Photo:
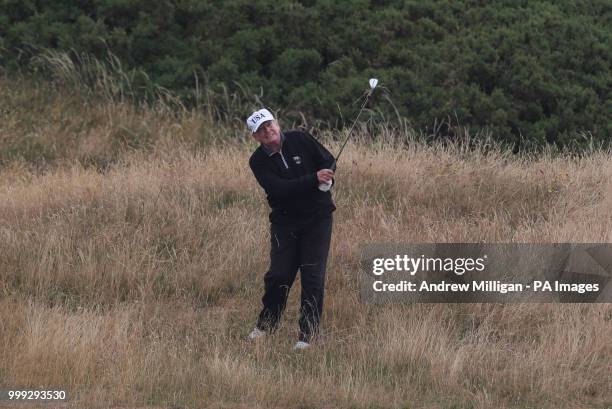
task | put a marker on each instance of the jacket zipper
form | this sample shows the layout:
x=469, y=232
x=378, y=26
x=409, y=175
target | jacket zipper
x=283, y=158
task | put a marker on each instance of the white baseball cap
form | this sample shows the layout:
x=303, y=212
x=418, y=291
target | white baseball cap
x=257, y=118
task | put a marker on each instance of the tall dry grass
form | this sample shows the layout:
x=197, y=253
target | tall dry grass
x=134, y=283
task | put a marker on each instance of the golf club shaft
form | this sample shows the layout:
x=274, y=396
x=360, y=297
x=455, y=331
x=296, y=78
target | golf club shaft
x=351, y=130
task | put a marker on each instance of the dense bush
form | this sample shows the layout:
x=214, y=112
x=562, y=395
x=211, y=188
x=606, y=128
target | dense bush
x=536, y=71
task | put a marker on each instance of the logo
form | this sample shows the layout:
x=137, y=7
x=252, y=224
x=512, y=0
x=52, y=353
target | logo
x=297, y=160
x=256, y=118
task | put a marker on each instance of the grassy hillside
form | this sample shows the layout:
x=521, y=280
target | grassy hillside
x=133, y=243
x=530, y=72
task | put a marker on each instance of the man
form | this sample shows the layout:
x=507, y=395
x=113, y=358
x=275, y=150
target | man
x=295, y=171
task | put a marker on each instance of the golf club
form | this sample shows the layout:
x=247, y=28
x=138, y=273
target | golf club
x=373, y=82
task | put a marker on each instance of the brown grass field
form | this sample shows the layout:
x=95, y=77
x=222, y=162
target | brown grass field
x=133, y=242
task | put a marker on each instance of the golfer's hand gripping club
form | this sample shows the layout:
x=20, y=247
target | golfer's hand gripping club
x=325, y=179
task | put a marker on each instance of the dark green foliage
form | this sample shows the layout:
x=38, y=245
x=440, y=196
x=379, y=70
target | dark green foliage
x=530, y=72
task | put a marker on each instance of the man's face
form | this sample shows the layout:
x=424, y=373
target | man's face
x=268, y=133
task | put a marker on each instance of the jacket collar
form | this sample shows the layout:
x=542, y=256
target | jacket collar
x=269, y=151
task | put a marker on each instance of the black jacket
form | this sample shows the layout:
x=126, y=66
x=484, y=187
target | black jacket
x=289, y=178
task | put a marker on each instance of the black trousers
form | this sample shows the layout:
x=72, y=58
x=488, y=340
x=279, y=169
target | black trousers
x=304, y=247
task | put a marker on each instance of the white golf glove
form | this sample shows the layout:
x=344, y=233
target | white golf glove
x=324, y=187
